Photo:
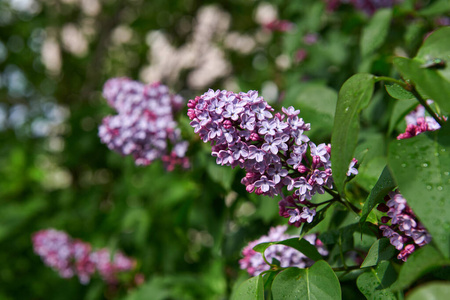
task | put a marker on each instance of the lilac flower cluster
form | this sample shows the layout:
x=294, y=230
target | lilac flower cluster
x=367, y=6
x=417, y=123
x=272, y=148
x=71, y=257
x=144, y=126
x=405, y=232
x=254, y=263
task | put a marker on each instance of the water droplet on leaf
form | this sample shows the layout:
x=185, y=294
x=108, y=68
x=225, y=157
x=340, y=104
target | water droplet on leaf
x=439, y=188
x=429, y=187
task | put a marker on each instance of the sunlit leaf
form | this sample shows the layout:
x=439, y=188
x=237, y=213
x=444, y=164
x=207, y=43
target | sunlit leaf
x=354, y=95
x=317, y=282
x=374, y=283
x=380, y=250
x=421, y=167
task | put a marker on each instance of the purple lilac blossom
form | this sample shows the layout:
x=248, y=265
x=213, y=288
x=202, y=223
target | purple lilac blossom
x=70, y=257
x=271, y=147
x=254, y=263
x=417, y=122
x=144, y=126
x=401, y=226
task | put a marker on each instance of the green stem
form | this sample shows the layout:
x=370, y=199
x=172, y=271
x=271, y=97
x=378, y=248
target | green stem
x=424, y=103
x=322, y=203
x=413, y=90
x=384, y=78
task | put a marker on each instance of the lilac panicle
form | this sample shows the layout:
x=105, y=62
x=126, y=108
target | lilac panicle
x=70, y=257
x=244, y=131
x=254, y=263
x=144, y=126
x=401, y=226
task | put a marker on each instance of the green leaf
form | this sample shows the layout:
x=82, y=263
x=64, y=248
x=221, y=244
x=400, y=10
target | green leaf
x=376, y=31
x=317, y=282
x=429, y=83
x=421, y=262
x=250, y=289
x=354, y=95
x=431, y=291
x=401, y=109
x=374, y=283
x=421, y=167
x=380, y=250
x=437, y=8
x=384, y=185
x=437, y=45
x=317, y=104
x=399, y=93
x=301, y=245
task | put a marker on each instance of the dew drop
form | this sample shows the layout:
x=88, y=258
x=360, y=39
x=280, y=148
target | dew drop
x=446, y=173
x=428, y=187
x=424, y=165
x=436, y=154
x=439, y=188
x=346, y=109
x=403, y=165
x=443, y=150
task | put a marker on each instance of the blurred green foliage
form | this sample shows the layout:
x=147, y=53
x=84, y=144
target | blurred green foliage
x=186, y=228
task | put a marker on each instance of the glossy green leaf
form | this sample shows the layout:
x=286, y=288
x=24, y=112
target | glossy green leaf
x=384, y=185
x=301, y=245
x=374, y=283
x=421, y=262
x=376, y=31
x=437, y=45
x=421, y=167
x=399, y=93
x=380, y=250
x=429, y=83
x=251, y=289
x=317, y=282
x=354, y=95
x=431, y=291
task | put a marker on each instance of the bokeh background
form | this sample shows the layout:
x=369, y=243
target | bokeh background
x=185, y=228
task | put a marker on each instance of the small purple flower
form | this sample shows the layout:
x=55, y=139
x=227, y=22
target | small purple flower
x=277, y=172
x=271, y=144
x=290, y=111
x=294, y=215
x=351, y=168
x=308, y=214
x=261, y=111
x=302, y=185
x=265, y=184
